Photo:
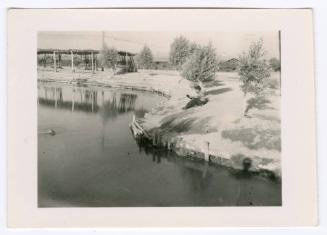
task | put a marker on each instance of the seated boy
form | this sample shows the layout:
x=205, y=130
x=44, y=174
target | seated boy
x=197, y=100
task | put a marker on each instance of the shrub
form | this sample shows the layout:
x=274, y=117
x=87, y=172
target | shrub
x=179, y=51
x=274, y=64
x=145, y=58
x=193, y=47
x=201, y=65
x=253, y=70
x=108, y=57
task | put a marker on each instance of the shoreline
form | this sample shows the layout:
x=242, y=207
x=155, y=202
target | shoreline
x=99, y=84
x=171, y=145
x=181, y=142
x=108, y=84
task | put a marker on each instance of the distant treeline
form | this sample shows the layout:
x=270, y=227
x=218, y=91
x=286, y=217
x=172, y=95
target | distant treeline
x=181, y=51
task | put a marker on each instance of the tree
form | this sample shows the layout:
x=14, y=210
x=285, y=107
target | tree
x=179, y=51
x=193, y=47
x=202, y=65
x=109, y=57
x=253, y=70
x=145, y=58
x=274, y=64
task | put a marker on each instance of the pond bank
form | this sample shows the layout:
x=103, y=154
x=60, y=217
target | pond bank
x=216, y=131
x=161, y=82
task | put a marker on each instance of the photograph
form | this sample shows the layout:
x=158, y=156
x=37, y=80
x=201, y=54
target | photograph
x=159, y=118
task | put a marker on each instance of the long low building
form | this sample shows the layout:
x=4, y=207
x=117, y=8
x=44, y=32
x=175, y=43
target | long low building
x=85, y=44
x=126, y=60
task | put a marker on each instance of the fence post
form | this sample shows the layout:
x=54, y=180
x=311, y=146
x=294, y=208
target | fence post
x=92, y=61
x=54, y=61
x=72, y=60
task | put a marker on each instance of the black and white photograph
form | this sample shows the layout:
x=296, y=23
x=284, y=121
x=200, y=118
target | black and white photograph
x=137, y=118
x=158, y=119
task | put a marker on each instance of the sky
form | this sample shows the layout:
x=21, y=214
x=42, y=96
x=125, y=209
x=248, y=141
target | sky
x=228, y=44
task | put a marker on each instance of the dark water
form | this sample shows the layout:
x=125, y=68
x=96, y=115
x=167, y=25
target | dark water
x=94, y=161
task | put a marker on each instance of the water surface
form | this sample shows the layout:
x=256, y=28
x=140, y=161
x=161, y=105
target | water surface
x=94, y=161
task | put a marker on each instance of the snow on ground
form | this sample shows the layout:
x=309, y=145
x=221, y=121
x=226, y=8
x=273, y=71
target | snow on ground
x=217, y=128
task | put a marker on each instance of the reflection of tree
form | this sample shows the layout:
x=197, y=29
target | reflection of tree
x=87, y=101
x=197, y=172
x=112, y=108
x=52, y=95
x=146, y=146
x=109, y=109
x=127, y=102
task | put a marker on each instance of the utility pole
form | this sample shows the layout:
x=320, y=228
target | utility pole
x=103, y=44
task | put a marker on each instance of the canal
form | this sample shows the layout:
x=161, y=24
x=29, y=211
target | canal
x=92, y=160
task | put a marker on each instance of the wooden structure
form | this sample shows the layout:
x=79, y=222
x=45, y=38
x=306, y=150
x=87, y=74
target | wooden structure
x=126, y=62
x=161, y=64
x=137, y=130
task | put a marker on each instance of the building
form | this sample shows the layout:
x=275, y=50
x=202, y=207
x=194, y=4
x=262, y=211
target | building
x=229, y=65
x=161, y=63
x=81, y=49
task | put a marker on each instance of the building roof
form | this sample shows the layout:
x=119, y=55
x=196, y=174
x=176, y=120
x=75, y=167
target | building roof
x=77, y=51
x=81, y=42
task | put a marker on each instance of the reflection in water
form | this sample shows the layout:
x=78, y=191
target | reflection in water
x=93, y=160
x=110, y=104
x=194, y=169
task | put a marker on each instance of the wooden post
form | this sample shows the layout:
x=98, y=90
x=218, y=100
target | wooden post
x=86, y=59
x=54, y=61
x=205, y=170
x=72, y=59
x=73, y=100
x=92, y=58
x=55, y=96
x=59, y=60
x=102, y=98
x=206, y=151
x=81, y=59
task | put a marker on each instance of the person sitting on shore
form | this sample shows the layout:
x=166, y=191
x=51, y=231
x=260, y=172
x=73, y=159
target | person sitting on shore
x=197, y=100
